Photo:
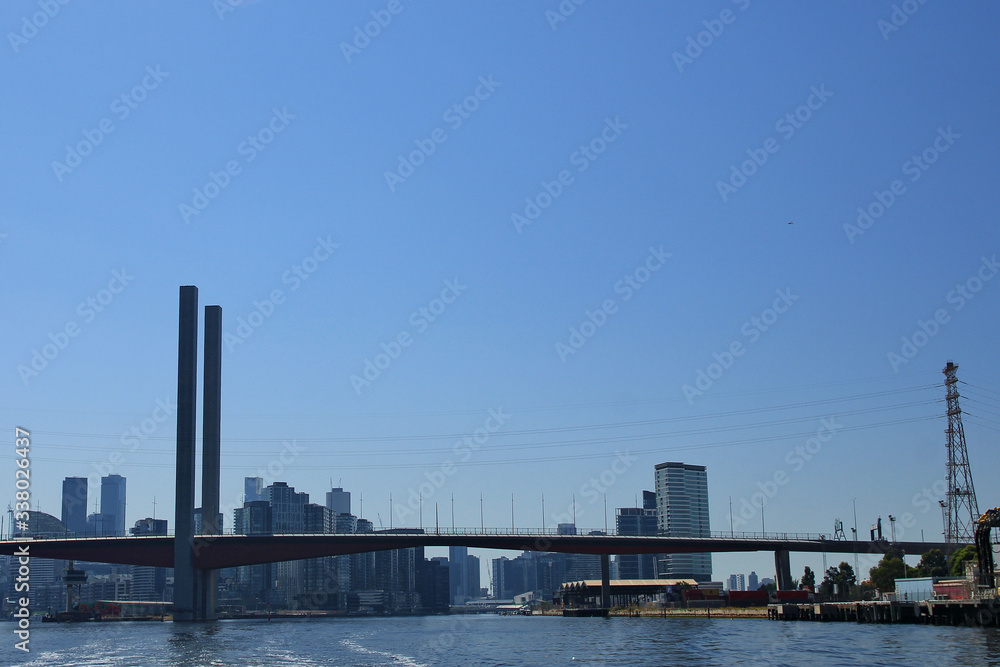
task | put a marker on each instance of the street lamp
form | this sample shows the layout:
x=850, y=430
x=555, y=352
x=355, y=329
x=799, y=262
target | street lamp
x=855, y=531
x=892, y=527
x=944, y=520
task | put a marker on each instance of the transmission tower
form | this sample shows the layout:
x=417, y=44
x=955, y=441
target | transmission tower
x=963, y=510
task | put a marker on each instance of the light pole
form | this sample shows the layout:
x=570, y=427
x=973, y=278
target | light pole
x=892, y=527
x=944, y=520
x=855, y=531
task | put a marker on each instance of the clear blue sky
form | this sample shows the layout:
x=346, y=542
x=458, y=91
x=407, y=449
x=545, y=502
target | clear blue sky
x=256, y=141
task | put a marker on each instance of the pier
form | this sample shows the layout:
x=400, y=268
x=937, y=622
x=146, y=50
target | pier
x=975, y=613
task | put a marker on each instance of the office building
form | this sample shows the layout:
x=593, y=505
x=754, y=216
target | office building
x=74, y=504
x=753, y=583
x=113, y=505
x=253, y=489
x=637, y=521
x=458, y=574
x=149, y=583
x=682, y=511
x=472, y=572
x=339, y=501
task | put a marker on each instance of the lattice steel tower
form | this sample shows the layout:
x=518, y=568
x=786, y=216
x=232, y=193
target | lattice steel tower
x=963, y=510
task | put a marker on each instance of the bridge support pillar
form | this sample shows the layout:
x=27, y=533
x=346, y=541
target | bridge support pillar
x=211, y=428
x=605, y=581
x=187, y=426
x=782, y=570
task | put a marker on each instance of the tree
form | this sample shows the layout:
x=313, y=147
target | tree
x=957, y=564
x=808, y=578
x=889, y=569
x=933, y=564
x=842, y=577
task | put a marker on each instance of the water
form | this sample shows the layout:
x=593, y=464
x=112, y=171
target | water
x=471, y=641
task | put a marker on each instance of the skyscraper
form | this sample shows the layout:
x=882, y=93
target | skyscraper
x=253, y=489
x=113, y=505
x=682, y=511
x=637, y=521
x=458, y=574
x=338, y=500
x=74, y=504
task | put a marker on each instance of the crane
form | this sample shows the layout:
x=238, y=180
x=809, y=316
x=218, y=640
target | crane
x=984, y=549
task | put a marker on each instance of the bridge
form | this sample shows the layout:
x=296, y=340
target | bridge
x=212, y=552
x=195, y=558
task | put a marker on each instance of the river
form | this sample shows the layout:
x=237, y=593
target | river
x=470, y=641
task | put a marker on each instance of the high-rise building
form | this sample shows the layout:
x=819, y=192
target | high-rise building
x=253, y=489
x=149, y=583
x=458, y=574
x=74, y=504
x=339, y=501
x=753, y=583
x=472, y=572
x=95, y=525
x=682, y=511
x=199, y=524
x=287, y=516
x=113, y=505
x=637, y=521
x=287, y=507
x=737, y=582
x=255, y=581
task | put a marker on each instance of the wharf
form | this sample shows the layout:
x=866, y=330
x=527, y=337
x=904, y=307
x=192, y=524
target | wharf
x=978, y=613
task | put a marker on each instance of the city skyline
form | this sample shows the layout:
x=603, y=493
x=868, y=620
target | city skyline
x=463, y=274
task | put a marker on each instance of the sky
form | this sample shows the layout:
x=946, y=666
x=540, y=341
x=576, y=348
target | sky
x=471, y=255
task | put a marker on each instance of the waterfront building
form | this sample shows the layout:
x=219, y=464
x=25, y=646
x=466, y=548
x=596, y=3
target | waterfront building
x=682, y=511
x=149, y=583
x=458, y=574
x=637, y=521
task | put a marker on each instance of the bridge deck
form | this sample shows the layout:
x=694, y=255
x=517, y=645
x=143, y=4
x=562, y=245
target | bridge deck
x=218, y=551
